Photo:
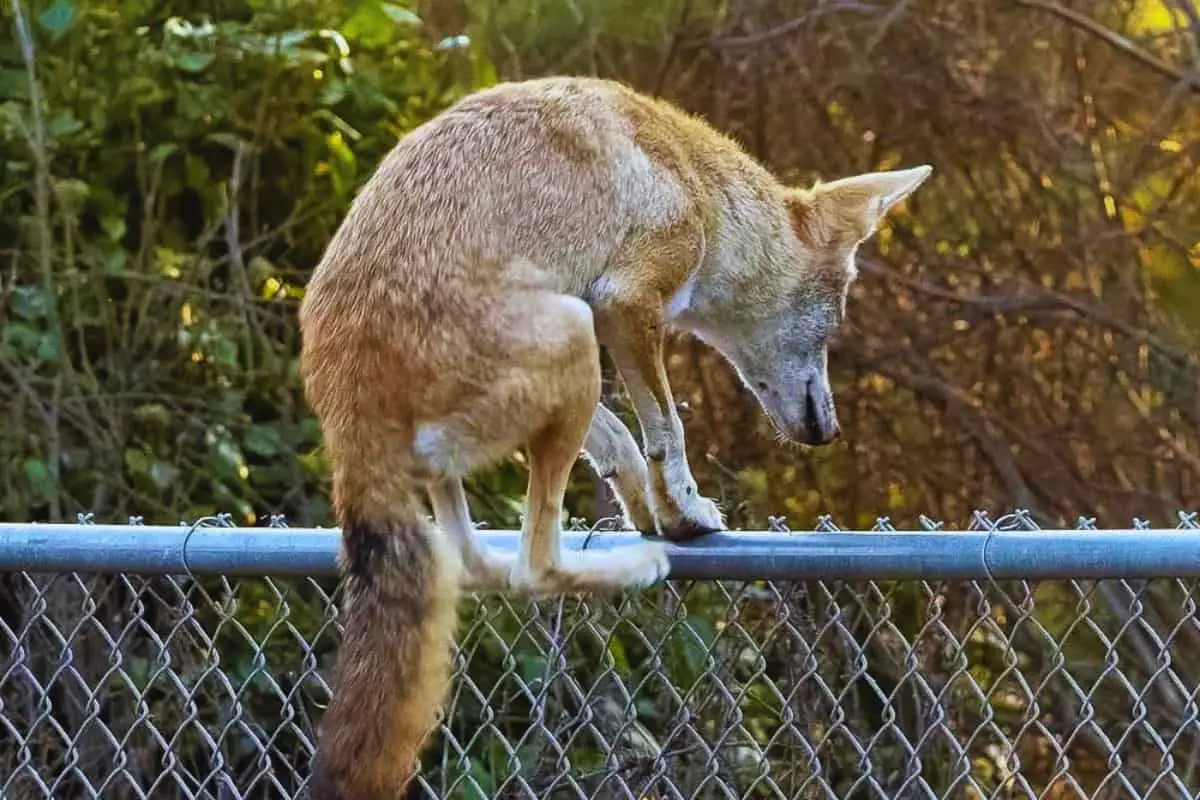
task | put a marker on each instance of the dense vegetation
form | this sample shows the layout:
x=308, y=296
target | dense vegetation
x=1024, y=335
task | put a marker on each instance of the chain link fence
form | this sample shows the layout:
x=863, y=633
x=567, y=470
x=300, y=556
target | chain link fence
x=128, y=686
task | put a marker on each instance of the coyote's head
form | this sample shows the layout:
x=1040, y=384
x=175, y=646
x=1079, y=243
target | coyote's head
x=778, y=341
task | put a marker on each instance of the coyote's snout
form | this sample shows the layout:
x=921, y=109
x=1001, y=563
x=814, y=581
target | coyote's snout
x=456, y=316
x=820, y=416
x=811, y=417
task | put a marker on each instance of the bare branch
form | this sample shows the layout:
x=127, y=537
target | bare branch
x=1030, y=300
x=1115, y=39
x=780, y=31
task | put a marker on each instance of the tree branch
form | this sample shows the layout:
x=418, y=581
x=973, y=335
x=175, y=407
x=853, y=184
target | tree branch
x=1115, y=39
x=783, y=29
x=1029, y=300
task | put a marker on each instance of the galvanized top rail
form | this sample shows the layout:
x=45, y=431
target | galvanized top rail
x=997, y=550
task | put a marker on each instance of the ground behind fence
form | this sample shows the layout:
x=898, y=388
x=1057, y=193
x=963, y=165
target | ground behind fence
x=186, y=662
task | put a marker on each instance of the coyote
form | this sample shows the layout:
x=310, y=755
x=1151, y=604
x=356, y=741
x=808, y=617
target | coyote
x=456, y=316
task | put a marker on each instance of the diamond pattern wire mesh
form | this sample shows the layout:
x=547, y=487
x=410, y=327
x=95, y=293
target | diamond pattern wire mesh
x=125, y=686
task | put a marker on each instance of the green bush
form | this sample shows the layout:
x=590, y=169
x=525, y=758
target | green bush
x=166, y=196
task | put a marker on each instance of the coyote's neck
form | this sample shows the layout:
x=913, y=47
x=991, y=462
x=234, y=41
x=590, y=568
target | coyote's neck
x=751, y=257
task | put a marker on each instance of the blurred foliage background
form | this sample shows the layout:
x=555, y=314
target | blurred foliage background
x=1023, y=335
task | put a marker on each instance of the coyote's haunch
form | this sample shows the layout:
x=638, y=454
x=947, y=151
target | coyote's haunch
x=455, y=317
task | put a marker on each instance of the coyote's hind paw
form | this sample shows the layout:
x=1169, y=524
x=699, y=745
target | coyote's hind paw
x=487, y=570
x=619, y=569
x=636, y=566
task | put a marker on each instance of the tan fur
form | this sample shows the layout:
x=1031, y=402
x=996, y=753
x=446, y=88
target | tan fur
x=456, y=317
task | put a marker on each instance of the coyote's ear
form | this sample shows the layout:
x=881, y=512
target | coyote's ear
x=850, y=208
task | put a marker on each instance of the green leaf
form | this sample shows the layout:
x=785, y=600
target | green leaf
x=48, y=347
x=339, y=149
x=14, y=84
x=196, y=172
x=163, y=474
x=58, y=18
x=306, y=55
x=193, y=62
x=115, y=261
x=454, y=42
x=162, y=151
x=63, y=123
x=114, y=226
x=137, y=461
x=225, y=352
x=399, y=15
x=692, y=643
x=342, y=163
x=30, y=302
x=533, y=669
x=309, y=430
x=169, y=262
x=226, y=139
x=333, y=92
x=288, y=40
x=484, y=783
x=264, y=440
x=71, y=194
x=41, y=479
x=229, y=457
x=18, y=338
x=373, y=23
x=616, y=649
x=260, y=269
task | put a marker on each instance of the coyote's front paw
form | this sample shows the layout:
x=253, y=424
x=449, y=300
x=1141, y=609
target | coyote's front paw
x=635, y=504
x=629, y=480
x=698, y=517
x=680, y=511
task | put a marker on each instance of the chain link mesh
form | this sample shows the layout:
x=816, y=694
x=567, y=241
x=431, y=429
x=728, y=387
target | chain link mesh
x=126, y=686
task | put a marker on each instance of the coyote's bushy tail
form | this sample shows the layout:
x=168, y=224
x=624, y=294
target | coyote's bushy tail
x=402, y=588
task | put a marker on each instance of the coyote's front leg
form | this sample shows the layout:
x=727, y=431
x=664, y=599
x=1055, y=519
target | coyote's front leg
x=634, y=333
x=615, y=456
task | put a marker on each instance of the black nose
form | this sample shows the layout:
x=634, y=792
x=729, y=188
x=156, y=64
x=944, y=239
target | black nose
x=812, y=420
x=814, y=432
x=815, y=436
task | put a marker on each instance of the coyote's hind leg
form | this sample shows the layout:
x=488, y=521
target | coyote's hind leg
x=484, y=569
x=535, y=384
x=542, y=567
